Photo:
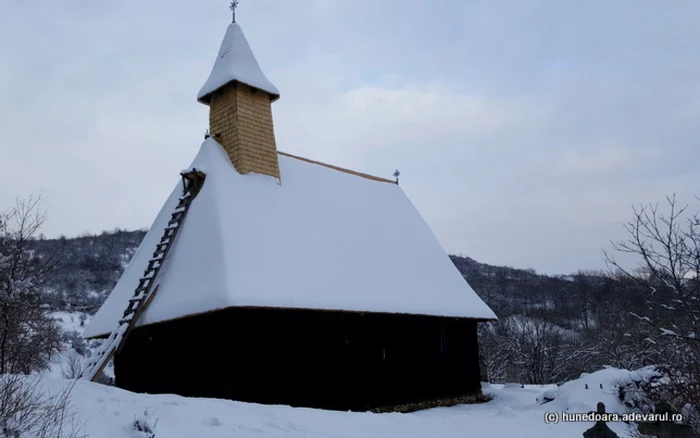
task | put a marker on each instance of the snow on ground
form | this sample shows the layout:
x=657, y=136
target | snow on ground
x=109, y=412
x=70, y=321
x=513, y=411
x=582, y=394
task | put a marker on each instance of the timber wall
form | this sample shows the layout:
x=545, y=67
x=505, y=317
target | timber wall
x=329, y=360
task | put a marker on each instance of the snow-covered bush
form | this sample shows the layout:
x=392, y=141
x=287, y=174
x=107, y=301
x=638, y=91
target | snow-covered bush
x=25, y=412
x=635, y=388
x=679, y=390
x=75, y=342
x=71, y=365
x=667, y=247
x=544, y=352
x=620, y=390
x=145, y=425
x=28, y=335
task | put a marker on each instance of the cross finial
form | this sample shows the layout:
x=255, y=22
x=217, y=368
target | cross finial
x=232, y=7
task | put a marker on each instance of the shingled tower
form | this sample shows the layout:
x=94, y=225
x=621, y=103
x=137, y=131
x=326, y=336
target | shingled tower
x=239, y=97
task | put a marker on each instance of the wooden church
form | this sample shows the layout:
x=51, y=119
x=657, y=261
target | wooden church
x=271, y=278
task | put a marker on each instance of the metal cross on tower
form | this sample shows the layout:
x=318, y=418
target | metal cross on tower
x=232, y=7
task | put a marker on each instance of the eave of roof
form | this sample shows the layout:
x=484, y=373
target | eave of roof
x=292, y=309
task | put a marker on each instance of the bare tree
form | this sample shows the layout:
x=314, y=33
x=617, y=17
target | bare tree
x=667, y=248
x=494, y=351
x=28, y=336
x=72, y=365
x=622, y=342
x=548, y=354
x=544, y=352
x=583, y=296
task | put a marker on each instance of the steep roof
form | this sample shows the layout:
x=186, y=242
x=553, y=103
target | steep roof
x=235, y=62
x=317, y=239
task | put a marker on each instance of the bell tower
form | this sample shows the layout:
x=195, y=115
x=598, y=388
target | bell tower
x=240, y=99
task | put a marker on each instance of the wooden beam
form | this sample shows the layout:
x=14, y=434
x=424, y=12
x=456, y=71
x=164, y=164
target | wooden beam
x=339, y=169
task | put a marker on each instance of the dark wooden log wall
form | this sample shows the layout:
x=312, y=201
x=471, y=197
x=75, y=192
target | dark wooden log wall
x=322, y=359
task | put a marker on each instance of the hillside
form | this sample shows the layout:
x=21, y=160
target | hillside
x=87, y=268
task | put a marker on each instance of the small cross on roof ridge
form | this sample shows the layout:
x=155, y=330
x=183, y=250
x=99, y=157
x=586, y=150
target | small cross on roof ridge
x=232, y=7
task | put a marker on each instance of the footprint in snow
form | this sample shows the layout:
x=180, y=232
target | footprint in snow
x=172, y=403
x=506, y=411
x=251, y=429
x=213, y=421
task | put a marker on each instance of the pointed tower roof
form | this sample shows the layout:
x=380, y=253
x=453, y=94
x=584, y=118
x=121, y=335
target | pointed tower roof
x=235, y=62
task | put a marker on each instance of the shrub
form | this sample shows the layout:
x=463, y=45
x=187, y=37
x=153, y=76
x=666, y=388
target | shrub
x=26, y=412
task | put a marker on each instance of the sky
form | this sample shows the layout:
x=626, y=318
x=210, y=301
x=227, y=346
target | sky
x=524, y=131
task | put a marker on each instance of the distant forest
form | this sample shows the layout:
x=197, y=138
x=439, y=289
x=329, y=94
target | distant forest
x=88, y=267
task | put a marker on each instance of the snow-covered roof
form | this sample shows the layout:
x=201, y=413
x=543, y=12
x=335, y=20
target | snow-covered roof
x=315, y=239
x=235, y=62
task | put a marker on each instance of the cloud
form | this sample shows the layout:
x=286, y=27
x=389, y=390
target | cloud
x=606, y=160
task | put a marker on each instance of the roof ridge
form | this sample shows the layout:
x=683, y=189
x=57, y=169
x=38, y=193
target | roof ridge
x=340, y=169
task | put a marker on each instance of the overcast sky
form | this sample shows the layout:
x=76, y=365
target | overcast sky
x=524, y=130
